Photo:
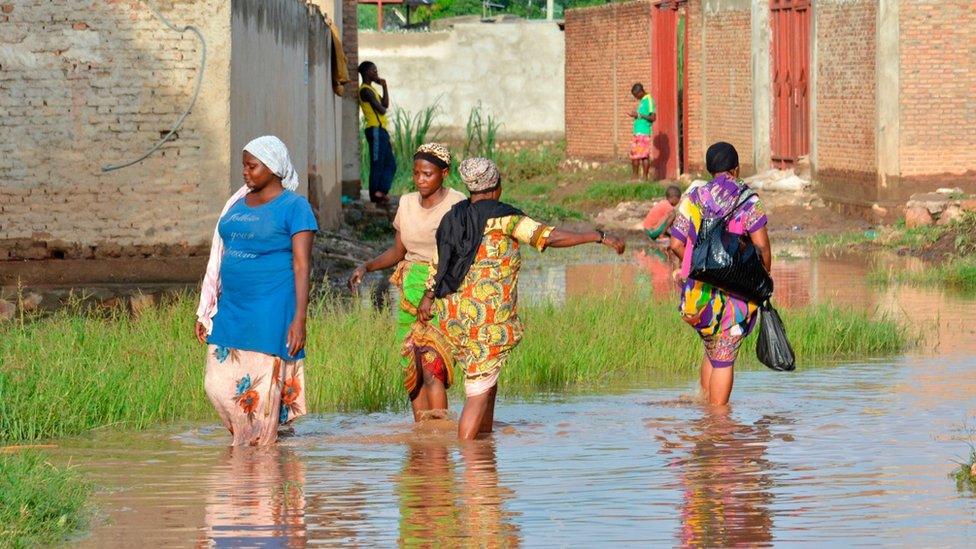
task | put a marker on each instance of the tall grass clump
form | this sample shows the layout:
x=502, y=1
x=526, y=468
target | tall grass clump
x=609, y=192
x=965, y=472
x=40, y=503
x=546, y=211
x=525, y=164
x=480, y=134
x=74, y=372
x=410, y=130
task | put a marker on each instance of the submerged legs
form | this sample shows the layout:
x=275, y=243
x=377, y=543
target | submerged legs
x=478, y=415
x=716, y=383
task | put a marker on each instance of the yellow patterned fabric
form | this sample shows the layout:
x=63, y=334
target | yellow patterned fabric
x=480, y=320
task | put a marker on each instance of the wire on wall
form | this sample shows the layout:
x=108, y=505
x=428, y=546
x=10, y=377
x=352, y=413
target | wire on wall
x=196, y=91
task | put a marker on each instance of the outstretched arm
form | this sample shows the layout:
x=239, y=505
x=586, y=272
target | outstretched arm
x=561, y=238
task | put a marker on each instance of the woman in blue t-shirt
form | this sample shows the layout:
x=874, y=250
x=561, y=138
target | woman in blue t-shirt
x=258, y=277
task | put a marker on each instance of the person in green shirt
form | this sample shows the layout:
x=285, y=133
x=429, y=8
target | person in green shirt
x=640, y=147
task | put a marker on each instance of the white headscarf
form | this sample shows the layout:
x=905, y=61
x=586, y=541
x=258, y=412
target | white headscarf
x=274, y=154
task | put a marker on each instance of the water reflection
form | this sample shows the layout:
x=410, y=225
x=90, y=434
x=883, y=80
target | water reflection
x=427, y=489
x=725, y=482
x=258, y=499
x=440, y=507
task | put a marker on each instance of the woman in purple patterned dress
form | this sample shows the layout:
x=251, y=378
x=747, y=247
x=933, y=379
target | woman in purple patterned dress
x=722, y=320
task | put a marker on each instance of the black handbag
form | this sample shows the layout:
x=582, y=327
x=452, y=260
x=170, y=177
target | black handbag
x=772, y=348
x=728, y=261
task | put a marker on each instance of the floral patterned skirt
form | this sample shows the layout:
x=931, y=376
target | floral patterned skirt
x=640, y=147
x=254, y=393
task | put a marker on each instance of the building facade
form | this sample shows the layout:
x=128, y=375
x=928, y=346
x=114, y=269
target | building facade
x=880, y=95
x=89, y=84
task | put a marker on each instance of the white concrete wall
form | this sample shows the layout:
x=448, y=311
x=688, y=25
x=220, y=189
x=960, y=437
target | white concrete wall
x=515, y=70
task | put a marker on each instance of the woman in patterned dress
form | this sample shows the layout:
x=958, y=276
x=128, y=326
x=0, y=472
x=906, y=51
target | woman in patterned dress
x=476, y=284
x=722, y=320
x=427, y=375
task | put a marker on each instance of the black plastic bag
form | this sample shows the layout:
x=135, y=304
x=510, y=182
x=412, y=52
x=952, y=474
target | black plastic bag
x=772, y=348
x=729, y=262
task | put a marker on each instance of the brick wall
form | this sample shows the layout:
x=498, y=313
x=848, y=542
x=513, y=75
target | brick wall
x=938, y=90
x=726, y=102
x=607, y=50
x=693, y=92
x=87, y=83
x=350, y=44
x=845, y=94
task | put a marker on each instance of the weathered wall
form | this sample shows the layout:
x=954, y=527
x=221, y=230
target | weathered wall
x=845, y=95
x=87, y=83
x=343, y=12
x=350, y=102
x=938, y=91
x=281, y=84
x=607, y=51
x=514, y=70
x=694, y=58
x=726, y=78
x=269, y=79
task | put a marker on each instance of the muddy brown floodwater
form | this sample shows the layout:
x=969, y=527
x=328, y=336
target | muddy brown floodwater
x=842, y=454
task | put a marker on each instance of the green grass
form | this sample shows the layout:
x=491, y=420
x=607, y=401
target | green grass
x=518, y=167
x=612, y=192
x=70, y=373
x=897, y=237
x=950, y=247
x=841, y=242
x=40, y=503
x=965, y=472
x=481, y=134
x=546, y=212
x=956, y=273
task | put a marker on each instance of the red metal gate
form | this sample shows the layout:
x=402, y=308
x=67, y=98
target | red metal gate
x=664, y=87
x=790, y=24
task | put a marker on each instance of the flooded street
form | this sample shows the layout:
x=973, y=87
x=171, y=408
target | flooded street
x=846, y=454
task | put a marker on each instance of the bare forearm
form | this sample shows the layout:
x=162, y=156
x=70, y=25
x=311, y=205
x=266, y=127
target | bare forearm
x=301, y=264
x=760, y=239
x=560, y=238
x=389, y=258
x=677, y=249
x=385, y=260
x=386, y=97
x=767, y=257
x=302, y=275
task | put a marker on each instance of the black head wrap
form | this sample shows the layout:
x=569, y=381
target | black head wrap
x=721, y=157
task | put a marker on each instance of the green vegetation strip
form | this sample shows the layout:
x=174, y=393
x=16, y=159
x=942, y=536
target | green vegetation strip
x=40, y=503
x=956, y=274
x=71, y=373
x=950, y=247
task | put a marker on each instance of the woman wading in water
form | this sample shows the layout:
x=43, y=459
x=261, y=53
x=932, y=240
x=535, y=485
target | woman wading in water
x=476, y=283
x=426, y=361
x=722, y=320
x=254, y=299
